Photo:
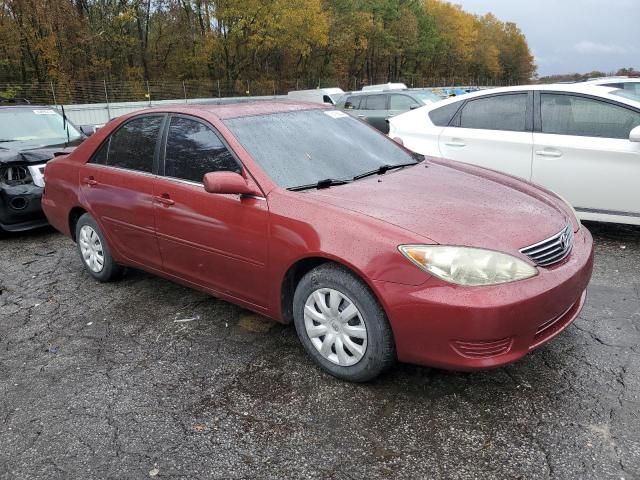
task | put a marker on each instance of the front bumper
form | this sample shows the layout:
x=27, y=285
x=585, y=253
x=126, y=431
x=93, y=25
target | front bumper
x=20, y=208
x=468, y=328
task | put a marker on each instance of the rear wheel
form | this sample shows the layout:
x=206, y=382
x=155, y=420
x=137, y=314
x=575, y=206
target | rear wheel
x=94, y=251
x=341, y=324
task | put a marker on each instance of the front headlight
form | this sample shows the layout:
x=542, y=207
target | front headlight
x=468, y=266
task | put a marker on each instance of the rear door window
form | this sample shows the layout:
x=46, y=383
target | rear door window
x=194, y=149
x=585, y=117
x=402, y=102
x=500, y=112
x=376, y=102
x=132, y=146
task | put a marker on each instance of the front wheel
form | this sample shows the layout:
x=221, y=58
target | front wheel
x=341, y=325
x=94, y=251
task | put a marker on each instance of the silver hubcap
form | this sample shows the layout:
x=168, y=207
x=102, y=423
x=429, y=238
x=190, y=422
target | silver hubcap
x=335, y=327
x=91, y=249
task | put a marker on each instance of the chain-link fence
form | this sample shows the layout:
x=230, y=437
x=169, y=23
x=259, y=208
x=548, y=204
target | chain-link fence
x=105, y=91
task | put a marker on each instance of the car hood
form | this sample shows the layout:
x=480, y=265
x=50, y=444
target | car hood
x=457, y=204
x=31, y=155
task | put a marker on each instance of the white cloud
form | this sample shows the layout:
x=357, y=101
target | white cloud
x=592, y=47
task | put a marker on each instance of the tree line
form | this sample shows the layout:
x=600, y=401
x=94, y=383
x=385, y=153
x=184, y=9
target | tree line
x=352, y=42
x=581, y=77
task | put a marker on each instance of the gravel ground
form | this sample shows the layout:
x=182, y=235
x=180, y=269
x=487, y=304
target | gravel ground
x=144, y=378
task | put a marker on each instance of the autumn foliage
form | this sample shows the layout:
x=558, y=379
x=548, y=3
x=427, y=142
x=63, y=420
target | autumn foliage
x=350, y=42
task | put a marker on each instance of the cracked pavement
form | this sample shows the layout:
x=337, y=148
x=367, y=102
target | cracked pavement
x=144, y=378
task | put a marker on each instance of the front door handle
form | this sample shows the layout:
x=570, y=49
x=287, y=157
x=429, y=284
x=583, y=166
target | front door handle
x=164, y=199
x=90, y=181
x=549, y=153
x=455, y=143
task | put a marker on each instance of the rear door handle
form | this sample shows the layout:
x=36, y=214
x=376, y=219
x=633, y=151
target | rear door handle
x=92, y=182
x=455, y=143
x=549, y=153
x=360, y=116
x=164, y=199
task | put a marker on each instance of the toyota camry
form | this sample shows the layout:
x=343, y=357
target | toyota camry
x=308, y=216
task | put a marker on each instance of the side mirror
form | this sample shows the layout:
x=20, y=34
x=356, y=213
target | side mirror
x=634, y=135
x=88, y=130
x=413, y=107
x=228, y=183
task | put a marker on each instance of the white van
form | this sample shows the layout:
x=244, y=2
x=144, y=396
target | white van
x=317, y=95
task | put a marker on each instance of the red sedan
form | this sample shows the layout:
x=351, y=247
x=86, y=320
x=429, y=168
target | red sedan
x=306, y=215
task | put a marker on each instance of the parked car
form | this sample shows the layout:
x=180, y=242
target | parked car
x=580, y=141
x=375, y=107
x=317, y=95
x=373, y=252
x=628, y=87
x=30, y=135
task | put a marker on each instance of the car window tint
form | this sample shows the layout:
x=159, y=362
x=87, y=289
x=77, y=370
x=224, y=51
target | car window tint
x=133, y=145
x=193, y=150
x=503, y=112
x=586, y=117
x=376, y=102
x=402, y=102
x=352, y=103
x=100, y=157
x=442, y=116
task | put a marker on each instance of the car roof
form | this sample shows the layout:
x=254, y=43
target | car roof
x=241, y=109
x=25, y=106
x=595, y=90
x=606, y=80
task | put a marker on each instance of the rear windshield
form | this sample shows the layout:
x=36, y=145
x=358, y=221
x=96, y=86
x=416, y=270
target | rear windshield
x=304, y=147
x=426, y=97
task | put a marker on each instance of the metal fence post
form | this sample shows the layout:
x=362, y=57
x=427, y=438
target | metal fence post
x=53, y=92
x=106, y=97
x=184, y=89
x=148, y=93
x=218, y=88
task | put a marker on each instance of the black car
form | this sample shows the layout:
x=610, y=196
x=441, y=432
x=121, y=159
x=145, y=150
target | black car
x=30, y=136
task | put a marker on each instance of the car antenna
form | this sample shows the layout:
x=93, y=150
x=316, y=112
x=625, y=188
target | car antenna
x=65, y=125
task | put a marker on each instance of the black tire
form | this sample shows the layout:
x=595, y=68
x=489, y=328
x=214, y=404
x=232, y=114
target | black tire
x=110, y=270
x=380, y=349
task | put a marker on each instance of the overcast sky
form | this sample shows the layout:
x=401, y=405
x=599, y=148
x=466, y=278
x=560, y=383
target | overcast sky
x=572, y=35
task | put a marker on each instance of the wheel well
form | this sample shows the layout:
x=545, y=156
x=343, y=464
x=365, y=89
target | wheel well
x=291, y=280
x=74, y=215
x=293, y=277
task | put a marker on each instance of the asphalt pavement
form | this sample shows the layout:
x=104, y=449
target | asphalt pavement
x=144, y=378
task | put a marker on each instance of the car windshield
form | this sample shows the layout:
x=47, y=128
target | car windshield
x=306, y=147
x=427, y=97
x=627, y=93
x=42, y=126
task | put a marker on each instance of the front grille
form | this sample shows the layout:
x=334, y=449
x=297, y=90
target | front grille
x=15, y=175
x=551, y=250
x=482, y=349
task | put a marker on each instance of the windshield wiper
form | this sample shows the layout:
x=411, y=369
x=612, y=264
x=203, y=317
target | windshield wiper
x=327, y=182
x=5, y=140
x=382, y=169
